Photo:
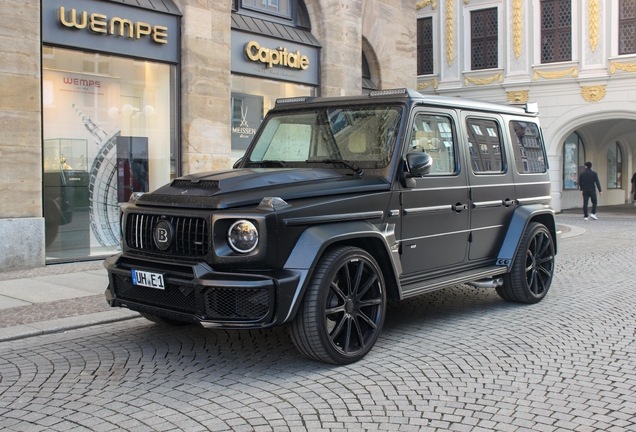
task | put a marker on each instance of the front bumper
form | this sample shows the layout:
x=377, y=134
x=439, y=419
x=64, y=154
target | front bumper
x=195, y=293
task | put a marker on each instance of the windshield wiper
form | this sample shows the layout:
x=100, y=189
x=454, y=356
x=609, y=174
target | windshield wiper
x=266, y=163
x=352, y=166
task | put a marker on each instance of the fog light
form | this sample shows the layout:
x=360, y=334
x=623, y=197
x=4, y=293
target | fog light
x=242, y=236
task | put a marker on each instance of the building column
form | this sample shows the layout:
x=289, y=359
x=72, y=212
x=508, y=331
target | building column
x=205, y=85
x=337, y=24
x=21, y=221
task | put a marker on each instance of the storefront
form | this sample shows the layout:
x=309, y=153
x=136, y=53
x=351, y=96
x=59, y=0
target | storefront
x=110, y=119
x=267, y=66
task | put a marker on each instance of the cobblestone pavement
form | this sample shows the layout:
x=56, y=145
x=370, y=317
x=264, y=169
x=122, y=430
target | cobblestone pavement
x=458, y=359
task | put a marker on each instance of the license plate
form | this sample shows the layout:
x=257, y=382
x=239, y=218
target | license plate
x=148, y=279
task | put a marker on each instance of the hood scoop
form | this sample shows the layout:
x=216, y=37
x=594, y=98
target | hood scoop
x=198, y=184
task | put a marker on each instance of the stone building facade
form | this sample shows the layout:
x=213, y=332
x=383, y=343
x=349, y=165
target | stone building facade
x=81, y=90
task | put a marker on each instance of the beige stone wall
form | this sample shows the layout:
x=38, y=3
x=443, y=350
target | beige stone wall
x=205, y=85
x=390, y=28
x=20, y=120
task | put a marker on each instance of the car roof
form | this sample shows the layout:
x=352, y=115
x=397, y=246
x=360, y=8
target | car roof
x=412, y=97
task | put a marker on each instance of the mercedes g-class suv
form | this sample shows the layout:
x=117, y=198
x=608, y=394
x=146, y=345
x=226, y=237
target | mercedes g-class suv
x=338, y=205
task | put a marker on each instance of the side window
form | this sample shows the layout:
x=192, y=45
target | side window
x=485, y=145
x=434, y=135
x=527, y=147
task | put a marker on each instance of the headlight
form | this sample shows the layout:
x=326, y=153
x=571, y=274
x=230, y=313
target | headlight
x=242, y=236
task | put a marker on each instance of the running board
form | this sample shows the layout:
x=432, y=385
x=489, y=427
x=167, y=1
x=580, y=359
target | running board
x=422, y=287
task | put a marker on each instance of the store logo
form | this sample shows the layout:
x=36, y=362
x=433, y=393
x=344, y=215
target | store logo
x=244, y=128
x=163, y=234
x=272, y=57
x=99, y=23
x=82, y=82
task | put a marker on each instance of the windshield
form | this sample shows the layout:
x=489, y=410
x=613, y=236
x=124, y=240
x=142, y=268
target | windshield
x=364, y=136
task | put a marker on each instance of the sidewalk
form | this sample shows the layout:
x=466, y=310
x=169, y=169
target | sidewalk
x=54, y=299
x=62, y=297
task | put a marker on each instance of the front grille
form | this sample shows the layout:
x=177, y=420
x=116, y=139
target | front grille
x=174, y=297
x=244, y=304
x=190, y=234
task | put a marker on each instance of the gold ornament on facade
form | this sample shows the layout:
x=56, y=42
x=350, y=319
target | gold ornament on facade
x=433, y=82
x=483, y=81
x=450, y=31
x=466, y=2
x=593, y=93
x=424, y=3
x=520, y=96
x=556, y=74
x=627, y=67
x=517, y=27
x=593, y=22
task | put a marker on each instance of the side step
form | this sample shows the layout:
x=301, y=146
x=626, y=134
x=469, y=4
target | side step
x=424, y=286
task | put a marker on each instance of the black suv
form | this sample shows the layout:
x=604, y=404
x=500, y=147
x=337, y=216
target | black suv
x=338, y=205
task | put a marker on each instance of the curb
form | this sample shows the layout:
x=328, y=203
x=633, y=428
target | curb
x=62, y=325
x=573, y=231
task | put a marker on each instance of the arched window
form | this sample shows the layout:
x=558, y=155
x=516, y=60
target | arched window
x=614, y=167
x=367, y=82
x=573, y=161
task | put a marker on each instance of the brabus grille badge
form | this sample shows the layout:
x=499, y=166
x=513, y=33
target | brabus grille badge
x=174, y=235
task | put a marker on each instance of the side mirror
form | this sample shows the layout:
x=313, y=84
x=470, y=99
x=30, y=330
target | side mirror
x=238, y=163
x=419, y=164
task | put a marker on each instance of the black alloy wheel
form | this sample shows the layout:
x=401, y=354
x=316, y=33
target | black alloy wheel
x=533, y=268
x=343, y=310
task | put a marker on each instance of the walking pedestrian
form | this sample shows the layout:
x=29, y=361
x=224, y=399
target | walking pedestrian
x=588, y=182
x=634, y=187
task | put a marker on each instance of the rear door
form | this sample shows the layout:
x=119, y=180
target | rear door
x=435, y=209
x=492, y=190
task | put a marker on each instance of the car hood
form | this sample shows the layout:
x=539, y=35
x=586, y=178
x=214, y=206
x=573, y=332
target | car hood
x=248, y=186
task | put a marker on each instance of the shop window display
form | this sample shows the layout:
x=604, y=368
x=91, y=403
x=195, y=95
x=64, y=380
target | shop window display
x=109, y=130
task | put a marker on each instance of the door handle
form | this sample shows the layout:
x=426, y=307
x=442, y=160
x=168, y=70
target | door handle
x=508, y=202
x=459, y=207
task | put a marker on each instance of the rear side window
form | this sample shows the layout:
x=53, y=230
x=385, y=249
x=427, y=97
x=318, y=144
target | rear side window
x=527, y=146
x=484, y=143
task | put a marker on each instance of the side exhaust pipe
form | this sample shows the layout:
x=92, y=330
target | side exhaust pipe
x=486, y=283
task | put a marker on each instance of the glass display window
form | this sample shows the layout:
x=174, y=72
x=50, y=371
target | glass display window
x=110, y=127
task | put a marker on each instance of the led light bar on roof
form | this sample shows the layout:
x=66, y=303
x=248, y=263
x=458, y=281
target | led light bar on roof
x=392, y=92
x=291, y=100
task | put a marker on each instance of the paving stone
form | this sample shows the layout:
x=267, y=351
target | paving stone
x=457, y=359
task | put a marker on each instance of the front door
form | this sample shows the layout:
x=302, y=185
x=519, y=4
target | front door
x=435, y=221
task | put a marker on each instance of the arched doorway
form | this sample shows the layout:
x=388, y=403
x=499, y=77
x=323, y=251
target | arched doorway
x=609, y=142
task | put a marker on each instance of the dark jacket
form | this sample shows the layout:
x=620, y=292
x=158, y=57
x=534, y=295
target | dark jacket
x=587, y=180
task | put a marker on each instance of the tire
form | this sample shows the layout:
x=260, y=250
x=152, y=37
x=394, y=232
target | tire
x=343, y=310
x=532, y=270
x=161, y=320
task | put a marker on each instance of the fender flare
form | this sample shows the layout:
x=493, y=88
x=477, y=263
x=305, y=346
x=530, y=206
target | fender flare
x=522, y=216
x=316, y=239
